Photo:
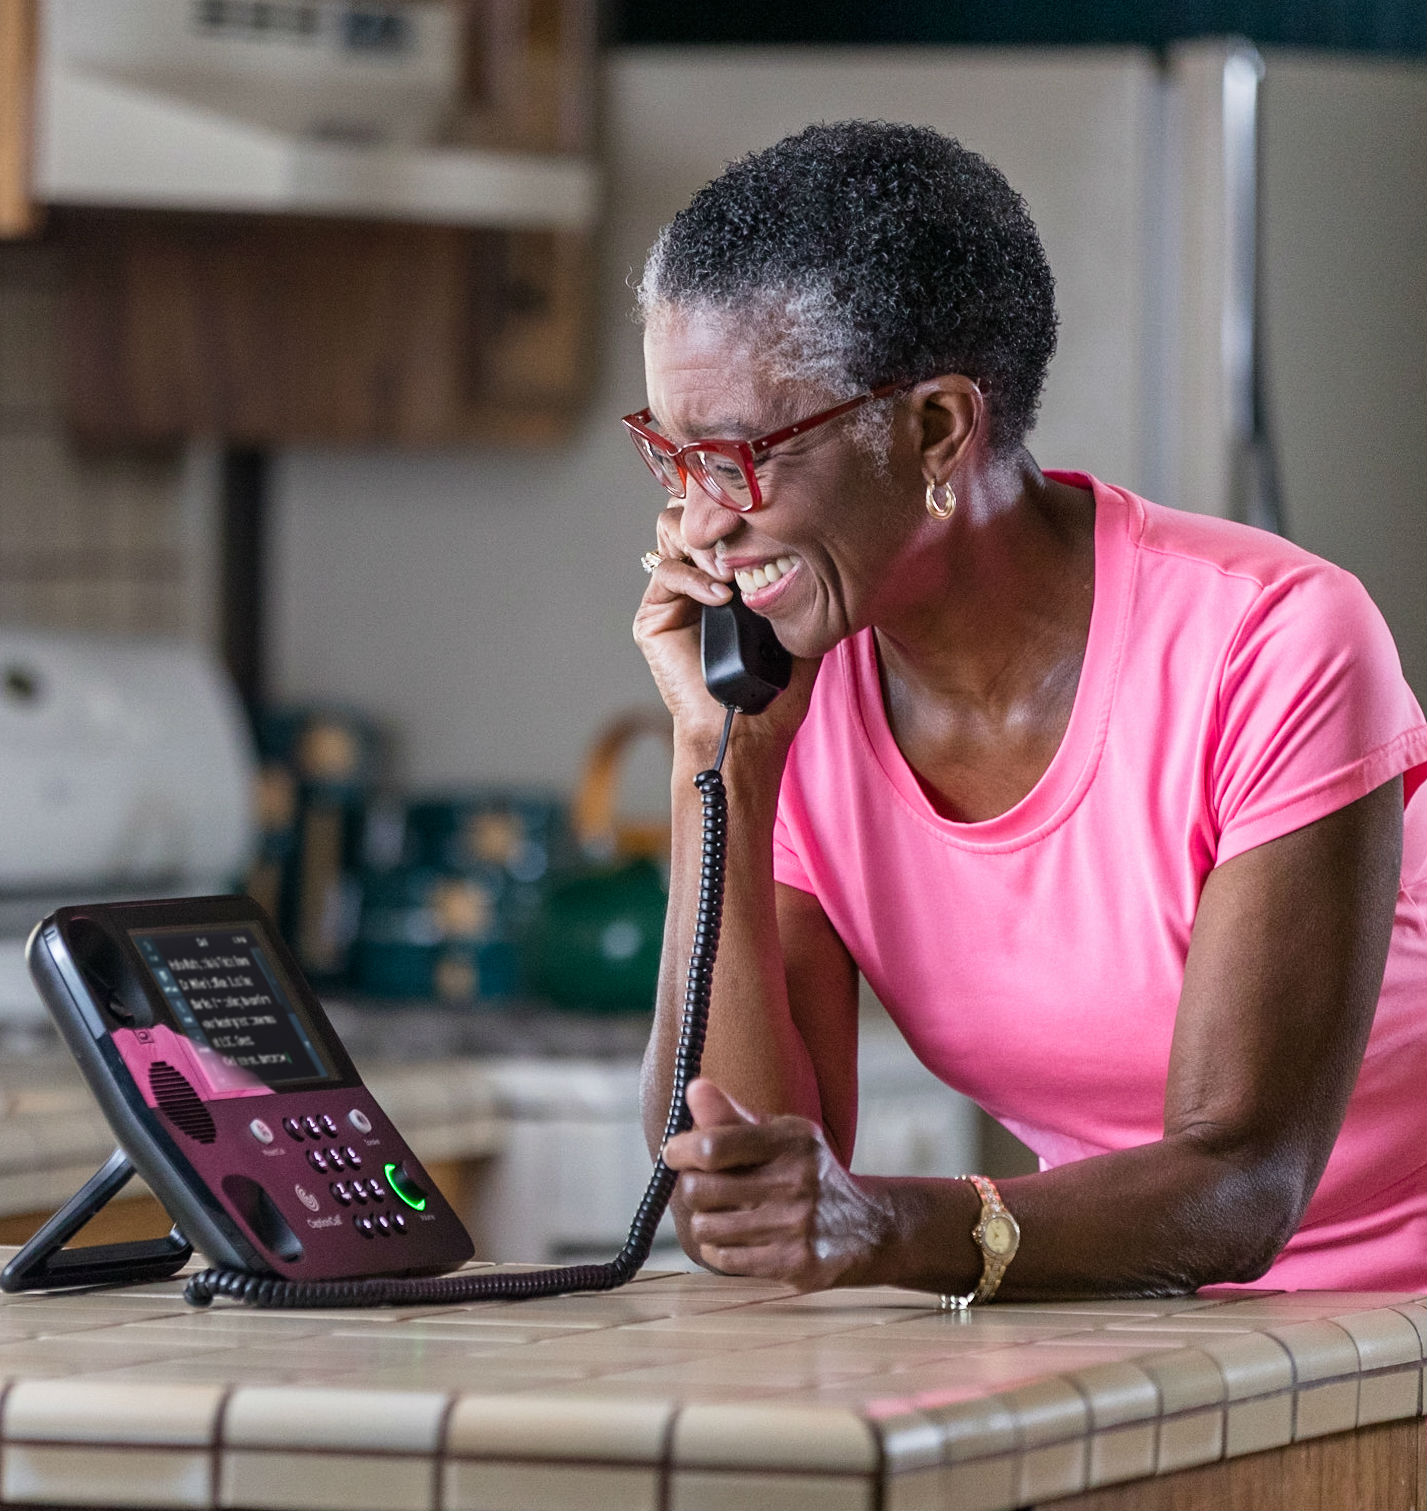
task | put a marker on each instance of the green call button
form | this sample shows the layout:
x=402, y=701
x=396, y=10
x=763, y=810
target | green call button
x=401, y=1182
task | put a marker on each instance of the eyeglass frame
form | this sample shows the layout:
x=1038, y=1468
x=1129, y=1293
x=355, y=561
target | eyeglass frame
x=746, y=453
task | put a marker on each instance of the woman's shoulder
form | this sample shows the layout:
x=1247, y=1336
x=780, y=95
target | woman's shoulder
x=1205, y=543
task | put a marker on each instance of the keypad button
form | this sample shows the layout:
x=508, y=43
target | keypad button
x=317, y=1159
x=261, y=1131
x=339, y=1190
x=376, y=1190
x=294, y=1128
x=353, y=1158
x=363, y=1225
x=359, y=1120
x=334, y=1158
x=330, y=1124
x=398, y=1222
x=312, y=1128
x=383, y=1222
x=359, y=1192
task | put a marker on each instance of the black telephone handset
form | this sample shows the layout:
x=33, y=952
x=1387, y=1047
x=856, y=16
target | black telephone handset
x=745, y=664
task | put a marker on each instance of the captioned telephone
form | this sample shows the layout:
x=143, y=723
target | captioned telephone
x=231, y=1095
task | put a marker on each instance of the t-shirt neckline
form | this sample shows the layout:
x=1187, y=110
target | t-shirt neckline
x=1065, y=781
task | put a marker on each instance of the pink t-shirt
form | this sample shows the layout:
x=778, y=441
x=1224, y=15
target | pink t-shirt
x=1234, y=689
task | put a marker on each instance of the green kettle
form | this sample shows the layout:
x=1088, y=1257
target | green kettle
x=594, y=945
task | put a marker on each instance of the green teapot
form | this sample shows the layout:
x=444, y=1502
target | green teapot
x=594, y=945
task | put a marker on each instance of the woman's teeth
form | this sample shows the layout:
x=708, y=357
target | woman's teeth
x=753, y=578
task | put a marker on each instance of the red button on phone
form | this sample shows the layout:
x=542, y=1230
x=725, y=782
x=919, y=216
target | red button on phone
x=317, y=1159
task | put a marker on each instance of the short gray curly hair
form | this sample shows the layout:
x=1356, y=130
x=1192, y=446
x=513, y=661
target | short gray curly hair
x=880, y=253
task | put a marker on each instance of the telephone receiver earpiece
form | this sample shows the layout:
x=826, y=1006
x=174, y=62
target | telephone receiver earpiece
x=745, y=664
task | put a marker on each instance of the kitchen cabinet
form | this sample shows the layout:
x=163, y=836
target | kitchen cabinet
x=19, y=215
x=187, y=312
x=272, y=330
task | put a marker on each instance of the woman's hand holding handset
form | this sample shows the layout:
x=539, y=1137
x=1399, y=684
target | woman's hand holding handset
x=666, y=628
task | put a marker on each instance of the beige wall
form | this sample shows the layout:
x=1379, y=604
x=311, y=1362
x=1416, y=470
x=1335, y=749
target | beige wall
x=1345, y=314
x=481, y=601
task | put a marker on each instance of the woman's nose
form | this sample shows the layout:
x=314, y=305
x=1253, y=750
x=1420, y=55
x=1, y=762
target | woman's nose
x=706, y=521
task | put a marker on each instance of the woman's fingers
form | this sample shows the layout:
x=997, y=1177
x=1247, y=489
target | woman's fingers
x=674, y=578
x=736, y=1146
x=680, y=571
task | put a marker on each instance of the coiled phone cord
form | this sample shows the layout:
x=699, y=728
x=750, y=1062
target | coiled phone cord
x=270, y=1291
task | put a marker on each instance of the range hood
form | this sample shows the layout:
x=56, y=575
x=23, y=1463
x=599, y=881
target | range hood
x=312, y=107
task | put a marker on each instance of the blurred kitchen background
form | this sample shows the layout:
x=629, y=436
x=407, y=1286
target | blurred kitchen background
x=319, y=535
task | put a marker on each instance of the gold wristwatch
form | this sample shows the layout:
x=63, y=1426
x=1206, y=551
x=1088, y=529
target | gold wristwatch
x=998, y=1235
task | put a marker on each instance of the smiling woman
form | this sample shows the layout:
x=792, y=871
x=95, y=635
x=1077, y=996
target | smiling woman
x=1105, y=801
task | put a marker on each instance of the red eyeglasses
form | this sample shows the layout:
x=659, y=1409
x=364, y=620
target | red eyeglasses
x=725, y=470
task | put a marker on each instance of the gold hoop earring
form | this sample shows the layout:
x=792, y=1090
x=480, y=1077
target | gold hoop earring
x=943, y=507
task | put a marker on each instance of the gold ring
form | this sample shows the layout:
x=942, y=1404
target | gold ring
x=650, y=560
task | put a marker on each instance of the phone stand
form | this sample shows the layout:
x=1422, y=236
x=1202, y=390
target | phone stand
x=44, y=1264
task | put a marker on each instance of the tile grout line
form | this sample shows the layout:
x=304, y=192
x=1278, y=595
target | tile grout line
x=215, y=1451
x=1070, y=1380
x=4, y=1436
x=1292, y=1389
x=442, y=1454
x=664, y=1481
x=880, y=1486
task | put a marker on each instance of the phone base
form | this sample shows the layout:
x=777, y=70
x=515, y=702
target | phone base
x=44, y=1264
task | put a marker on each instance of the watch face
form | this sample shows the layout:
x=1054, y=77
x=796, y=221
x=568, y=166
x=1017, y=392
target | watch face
x=999, y=1236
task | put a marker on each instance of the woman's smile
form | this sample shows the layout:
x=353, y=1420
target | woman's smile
x=765, y=582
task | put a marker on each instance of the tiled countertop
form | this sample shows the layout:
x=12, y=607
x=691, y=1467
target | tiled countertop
x=679, y=1391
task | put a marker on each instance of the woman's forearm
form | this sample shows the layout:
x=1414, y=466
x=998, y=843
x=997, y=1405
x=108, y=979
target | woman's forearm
x=1161, y=1219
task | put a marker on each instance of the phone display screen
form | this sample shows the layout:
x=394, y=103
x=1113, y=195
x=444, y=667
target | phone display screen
x=228, y=996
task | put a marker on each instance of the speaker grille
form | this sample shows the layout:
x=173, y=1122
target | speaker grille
x=175, y=1096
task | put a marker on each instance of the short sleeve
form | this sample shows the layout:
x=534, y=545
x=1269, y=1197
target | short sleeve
x=1313, y=711
x=787, y=864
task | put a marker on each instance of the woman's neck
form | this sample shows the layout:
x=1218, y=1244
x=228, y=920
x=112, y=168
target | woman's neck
x=1006, y=588
x=980, y=668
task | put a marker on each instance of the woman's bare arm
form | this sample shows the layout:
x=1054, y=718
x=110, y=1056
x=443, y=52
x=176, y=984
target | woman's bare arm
x=1280, y=987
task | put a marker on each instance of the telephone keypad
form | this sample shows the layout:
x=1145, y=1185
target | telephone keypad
x=324, y=1154
x=379, y=1224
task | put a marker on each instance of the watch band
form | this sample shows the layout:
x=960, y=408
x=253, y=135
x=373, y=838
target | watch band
x=998, y=1235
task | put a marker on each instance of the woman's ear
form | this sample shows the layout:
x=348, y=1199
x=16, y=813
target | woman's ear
x=953, y=418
